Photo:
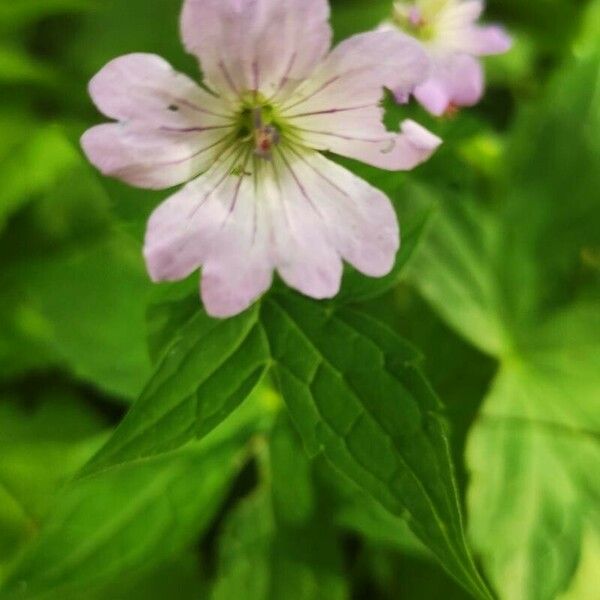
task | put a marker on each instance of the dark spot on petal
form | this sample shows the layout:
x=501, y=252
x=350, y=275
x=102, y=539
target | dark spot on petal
x=173, y=107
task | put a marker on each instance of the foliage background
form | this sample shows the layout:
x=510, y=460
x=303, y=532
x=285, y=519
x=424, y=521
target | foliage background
x=499, y=290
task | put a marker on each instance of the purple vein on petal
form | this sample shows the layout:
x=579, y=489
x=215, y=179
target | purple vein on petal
x=228, y=78
x=236, y=193
x=254, y=207
x=256, y=76
x=206, y=196
x=300, y=185
x=347, y=137
x=286, y=75
x=194, y=155
x=312, y=94
x=219, y=182
x=200, y=109
x=195, y=129
x=330, y=111
x=320, y=173
x=277, y=178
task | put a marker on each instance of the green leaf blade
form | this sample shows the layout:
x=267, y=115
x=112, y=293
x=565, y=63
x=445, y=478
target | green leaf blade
x=280, y=542
x=206, y=372
x=350, y=407
x=129, y=517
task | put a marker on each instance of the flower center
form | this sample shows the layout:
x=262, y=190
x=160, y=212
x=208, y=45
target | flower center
x=265, y=136
x=259, y=126
x=413, y=20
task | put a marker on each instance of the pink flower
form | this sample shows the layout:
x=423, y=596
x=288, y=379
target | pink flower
x=261, y=197
x=448, y=30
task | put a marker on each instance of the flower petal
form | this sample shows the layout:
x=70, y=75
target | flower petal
x=457, y=31
x=152, y=158
x=457, y=14
x=180, y=232
x=485, y=41
x=238, y=269
x=170, y=128
x=360, y=220
x=263, y=45
x=339, y=111
x=356, y=71
x=299, y=213
x=144, y=87
x=456, y=80
x=214, y=223
x=369, y=142
x=303, y=251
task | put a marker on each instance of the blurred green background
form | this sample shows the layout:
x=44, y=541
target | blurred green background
x=502, y=296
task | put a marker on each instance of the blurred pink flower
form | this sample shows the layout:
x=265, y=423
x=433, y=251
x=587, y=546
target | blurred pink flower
x=448, y=30
x=261, y=196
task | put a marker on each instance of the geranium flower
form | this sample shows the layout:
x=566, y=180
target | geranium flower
x=261, y=197
x=449, y=32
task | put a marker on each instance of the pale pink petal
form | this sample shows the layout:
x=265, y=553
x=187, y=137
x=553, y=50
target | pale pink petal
x=152, y=158
x=456, y=81
x=457, y=31
x=357, y=70
x=238, y=268
x=216, y=223
x=401, y=96
x=181, y=231
x=369, y=142
x=144, y=87
x=248, y=45
x=360, y=220
x=299, y=213
x=484, y=41
x=434, y=95
x=303, y=249
x=458, y=14
x=170, y=129
x=339, y=109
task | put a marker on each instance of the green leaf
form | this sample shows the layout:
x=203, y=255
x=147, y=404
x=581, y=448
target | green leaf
x=355, y=16
x=114, y=28
x=17, y=67
x=19, y=13
x=23, y=335
x=357, y=511
x=32, y=165
x=493, y=268
x=180, y=578
x=132, y=516
x=209, y=368
x=517, y=278
x=75, y=287
x=92, y=301
x=41, y=448
x=355, y=392
x=534, y=454
x=452, y=271
x=278, y=542
x=586, y=582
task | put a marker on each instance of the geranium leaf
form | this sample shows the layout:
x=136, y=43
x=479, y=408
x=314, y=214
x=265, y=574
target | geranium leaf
x=130, y=517
x=356, y=394
x=279, y=542
x=206, y=371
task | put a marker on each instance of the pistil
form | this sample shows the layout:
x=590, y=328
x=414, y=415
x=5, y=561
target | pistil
x=266, y=135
